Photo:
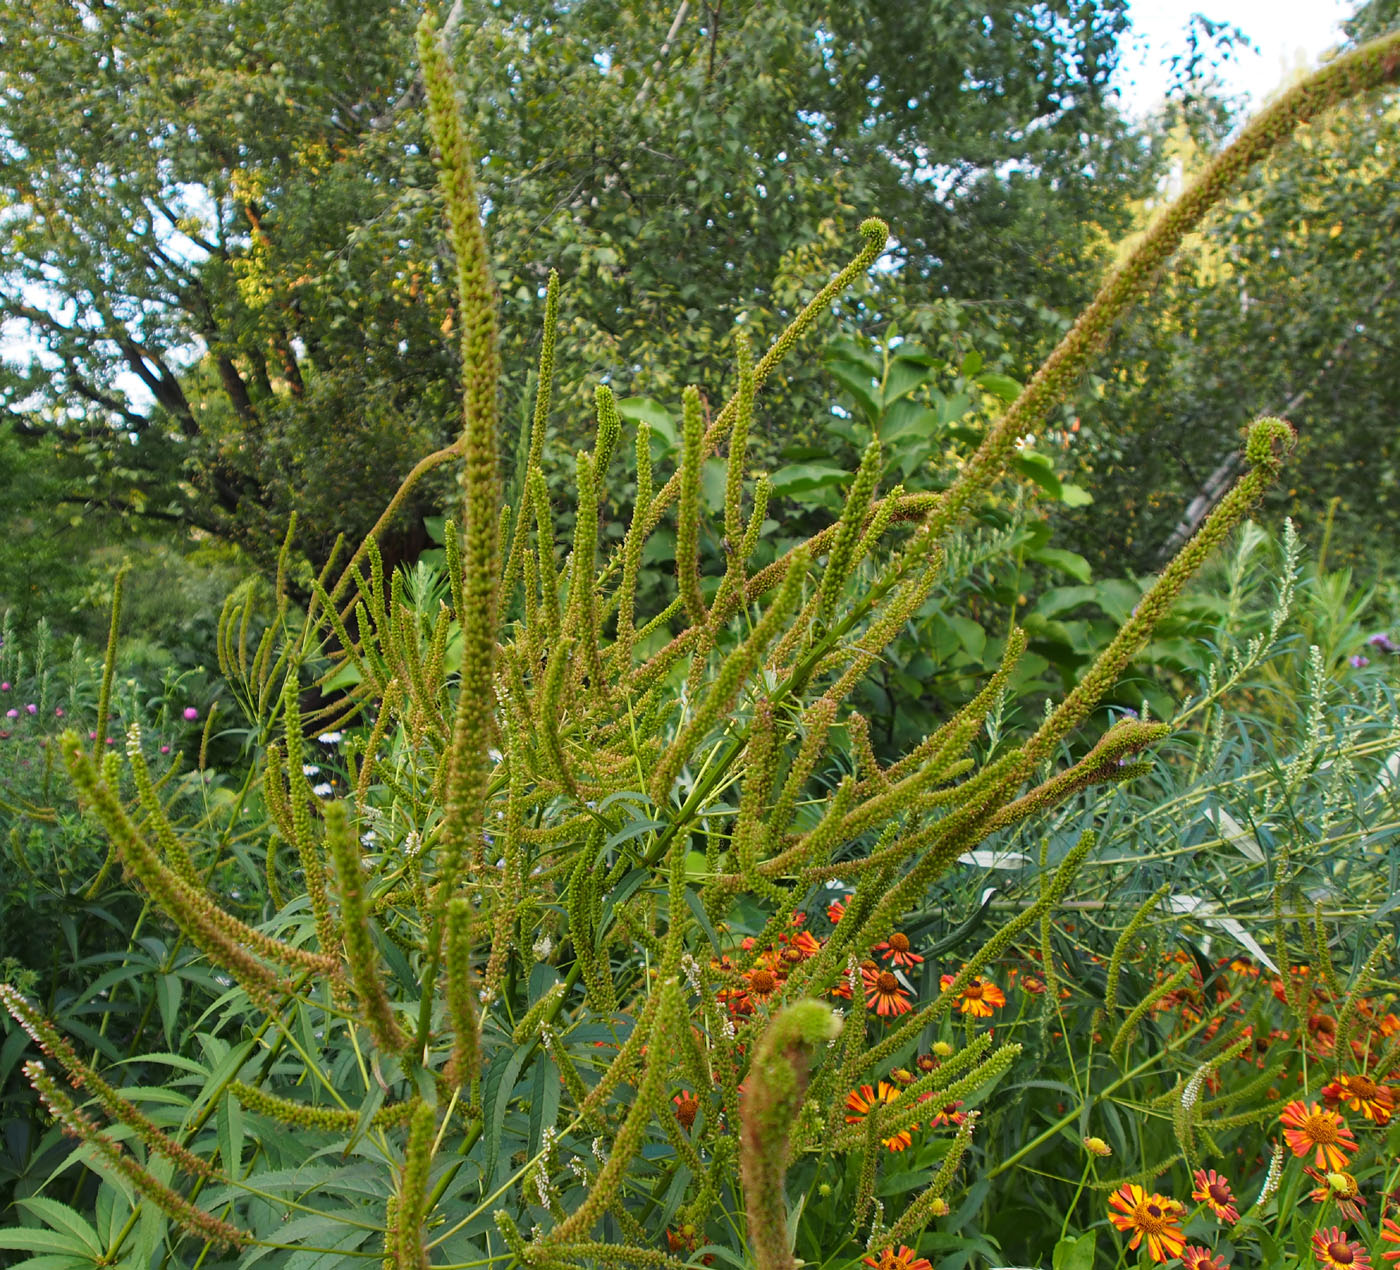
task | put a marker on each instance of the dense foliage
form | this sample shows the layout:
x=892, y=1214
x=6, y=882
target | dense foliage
x=534, y=954
x=220, y=243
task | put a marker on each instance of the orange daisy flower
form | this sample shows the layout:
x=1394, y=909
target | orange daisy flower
x=896, y=949
x=950, y=1115
x=763, y=983
x=1309, y=1128
x=1194, y=1258
x=1373, y=1100
x=1334, y=1250
x=1390, y=1234
x=979, y=998
x=804, y=943
x=835, y=911
x=1157, y=1218
x=884, y=993
x=1214, y=1191
x=687, y=1104
x=1340, y=1187
x=864, y=1100
x=904, y=1259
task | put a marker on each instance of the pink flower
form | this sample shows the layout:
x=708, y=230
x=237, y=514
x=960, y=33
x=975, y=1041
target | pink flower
x=165, y=749
x=58, y=712
x=92, y=736
x=5, y=687
x=12, y=714
x=32, y=708
x=191, y=714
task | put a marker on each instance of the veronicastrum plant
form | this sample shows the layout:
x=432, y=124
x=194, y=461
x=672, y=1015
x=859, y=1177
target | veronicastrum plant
x=540, y=982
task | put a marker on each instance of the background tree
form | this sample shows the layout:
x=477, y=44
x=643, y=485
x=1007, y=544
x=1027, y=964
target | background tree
x=1287, y=303
x=218, y=229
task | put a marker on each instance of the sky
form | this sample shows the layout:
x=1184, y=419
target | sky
x=1287, y=33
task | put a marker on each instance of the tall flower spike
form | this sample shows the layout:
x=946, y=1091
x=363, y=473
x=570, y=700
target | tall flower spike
x=876, y=234
x=300, y=795
x=632, y=556
x=582, y=617
x=688, y=524
x=196, y=1221
x=842, y=559
x=354, y=917
x=609, y=430
x=468, y=768
x=544, y=526
x=649, y=1103
x=413, y=1192
x=777, y=1085
x=738, y=443
x=544, y=394
x=734, y=672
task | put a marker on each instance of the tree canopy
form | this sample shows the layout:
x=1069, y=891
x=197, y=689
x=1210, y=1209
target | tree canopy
x=223, y=249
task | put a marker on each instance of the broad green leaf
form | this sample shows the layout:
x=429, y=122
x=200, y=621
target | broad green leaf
x=37, y=1240
x=53, y=1261
x=1075, y=1254
x=1072, y=495
x=1039, y=469
x=697, y=908
x=1069, y=562
x=62, y=1218
x=230, y=1129
x=904, y=376
x=802, y=478
x=498, y=1089
x=652, y=413
x=999, y=385
x=858, y=383
x=168, y=988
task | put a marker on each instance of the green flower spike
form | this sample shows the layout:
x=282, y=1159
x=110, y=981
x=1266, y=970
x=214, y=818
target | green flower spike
x=777, y=1084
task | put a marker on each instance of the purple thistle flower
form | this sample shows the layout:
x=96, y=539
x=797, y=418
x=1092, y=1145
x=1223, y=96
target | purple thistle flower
x=32, y=708
x=191, y=714
x=5, y=687
x=12, y=714
x=1382, y=642
x=1358, y=661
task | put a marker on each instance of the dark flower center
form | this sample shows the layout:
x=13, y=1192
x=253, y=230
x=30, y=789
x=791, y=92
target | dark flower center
x=887, y=982
x=900, y=943
x=1340, y=1253
x=763, y=982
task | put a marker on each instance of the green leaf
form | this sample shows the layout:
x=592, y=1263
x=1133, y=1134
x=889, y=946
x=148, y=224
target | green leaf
x=168, y=990
x=1069, y=562
x=802, y=478
x=902, y=422
x=697, y=908
x=496, y=1096
x=63, y=1218
x=231, y=1135
x=856, y=381
x=904, y=376
x=1039, y=469
x=1074, y=1254
x=651, y=412
x=35, y=1240
x=999, y=385
x=52, y=1261
x=1072, y=495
